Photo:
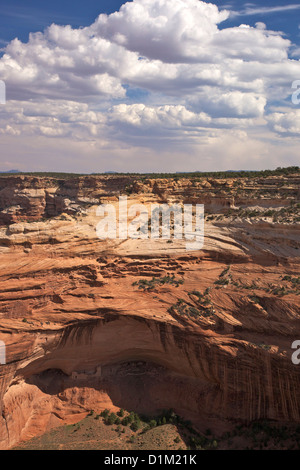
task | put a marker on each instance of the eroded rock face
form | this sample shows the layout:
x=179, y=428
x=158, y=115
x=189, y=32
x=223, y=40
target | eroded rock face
x=80, y=334
x=30, y=198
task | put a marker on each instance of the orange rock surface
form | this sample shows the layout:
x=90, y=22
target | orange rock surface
x=81, y=335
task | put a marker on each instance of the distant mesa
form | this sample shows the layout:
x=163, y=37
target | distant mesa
x=11, y=171
x=106, y=173
x=239, y=171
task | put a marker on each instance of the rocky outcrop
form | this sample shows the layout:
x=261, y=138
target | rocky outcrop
x=82, y=332
x=27, y=198
x=30, y=198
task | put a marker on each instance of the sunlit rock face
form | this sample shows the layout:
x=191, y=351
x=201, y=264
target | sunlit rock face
x=83, y=333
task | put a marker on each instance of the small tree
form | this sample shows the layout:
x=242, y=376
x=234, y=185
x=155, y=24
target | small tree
x=135, y=425
x=125, y=421
x=104, y=413
x=111, y=419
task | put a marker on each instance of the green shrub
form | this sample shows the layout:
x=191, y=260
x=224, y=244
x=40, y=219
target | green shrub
x=125, y=421
x=135, y=426
x=104, y=413
x=111, y=419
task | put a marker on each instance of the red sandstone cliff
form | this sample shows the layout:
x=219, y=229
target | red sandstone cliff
x=81, y=335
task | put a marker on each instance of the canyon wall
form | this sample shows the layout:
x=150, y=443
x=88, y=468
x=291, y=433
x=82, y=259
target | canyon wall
x=82, y=333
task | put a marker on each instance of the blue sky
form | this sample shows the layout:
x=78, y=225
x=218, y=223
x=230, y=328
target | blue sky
x=167, y=85
x=19, y=18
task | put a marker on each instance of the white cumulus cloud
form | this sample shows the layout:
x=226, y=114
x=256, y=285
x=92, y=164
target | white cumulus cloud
x=170, y=69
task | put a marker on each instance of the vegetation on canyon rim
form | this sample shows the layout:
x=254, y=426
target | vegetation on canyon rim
x=215, y=174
